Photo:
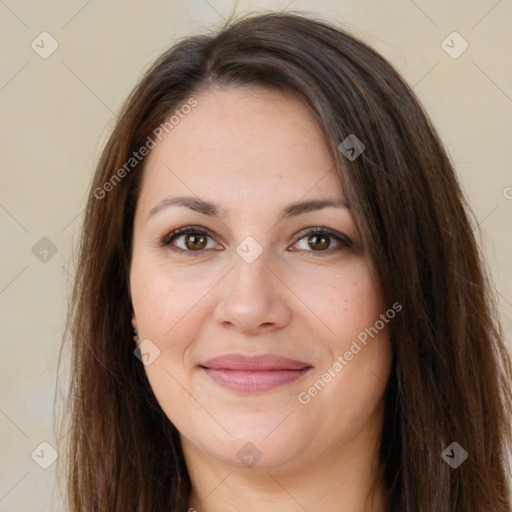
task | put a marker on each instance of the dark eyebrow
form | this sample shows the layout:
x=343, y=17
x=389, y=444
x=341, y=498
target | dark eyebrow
x=209, y=208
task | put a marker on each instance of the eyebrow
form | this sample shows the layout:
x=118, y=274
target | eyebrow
x=209, y=208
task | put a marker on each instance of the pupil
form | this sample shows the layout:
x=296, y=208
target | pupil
x=319, y=241
x=195, y=241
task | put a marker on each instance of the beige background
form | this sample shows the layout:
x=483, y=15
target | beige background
x=56, y=114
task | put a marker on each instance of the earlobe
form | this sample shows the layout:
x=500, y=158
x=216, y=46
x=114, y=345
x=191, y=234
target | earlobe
x=134, y=321
x=135, y=333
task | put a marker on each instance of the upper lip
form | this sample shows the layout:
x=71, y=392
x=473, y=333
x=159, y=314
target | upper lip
x=253, y=362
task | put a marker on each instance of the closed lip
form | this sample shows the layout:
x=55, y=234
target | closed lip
x=256, y=362
x=255, y=373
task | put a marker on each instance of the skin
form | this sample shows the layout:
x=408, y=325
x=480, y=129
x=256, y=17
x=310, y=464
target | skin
x=253, y=152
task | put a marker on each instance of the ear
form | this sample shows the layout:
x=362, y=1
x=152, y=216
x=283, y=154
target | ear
x=134, y=321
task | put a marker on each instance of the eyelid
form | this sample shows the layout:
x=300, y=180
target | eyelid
x=175, y=233
x=167, y=240
x=340, y=237
x=343, y=242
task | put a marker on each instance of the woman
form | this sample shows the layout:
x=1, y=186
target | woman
x=277, y=225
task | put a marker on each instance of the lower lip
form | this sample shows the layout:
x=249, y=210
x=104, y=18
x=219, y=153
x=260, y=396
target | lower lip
x=247, y=381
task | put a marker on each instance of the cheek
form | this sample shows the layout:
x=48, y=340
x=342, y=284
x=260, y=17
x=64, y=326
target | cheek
x=346, y=301
x=169, y=313
x=349, y=303
x=162, y=299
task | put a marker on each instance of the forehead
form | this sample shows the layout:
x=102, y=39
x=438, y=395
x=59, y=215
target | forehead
x=262, y=141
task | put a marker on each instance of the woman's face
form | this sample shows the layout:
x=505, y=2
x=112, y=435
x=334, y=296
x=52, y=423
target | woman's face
x=253, y=324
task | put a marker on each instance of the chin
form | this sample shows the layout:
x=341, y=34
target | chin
x=252, y=447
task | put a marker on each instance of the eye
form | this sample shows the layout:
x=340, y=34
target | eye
x=194, y=240
x=189, y=239
x=322, y=240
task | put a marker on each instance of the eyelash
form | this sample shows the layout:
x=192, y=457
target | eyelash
x=167, y=240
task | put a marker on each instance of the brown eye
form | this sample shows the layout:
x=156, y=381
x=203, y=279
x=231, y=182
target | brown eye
x=319, y=242
x=191, y=240
x=322, y=240
x=195, y=241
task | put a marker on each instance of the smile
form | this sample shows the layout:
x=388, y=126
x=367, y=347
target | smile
x=254, y=374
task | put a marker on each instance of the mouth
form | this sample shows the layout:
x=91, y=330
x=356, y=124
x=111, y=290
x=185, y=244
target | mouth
x=254, y=374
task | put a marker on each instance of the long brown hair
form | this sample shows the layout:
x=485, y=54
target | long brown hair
x=451, y=374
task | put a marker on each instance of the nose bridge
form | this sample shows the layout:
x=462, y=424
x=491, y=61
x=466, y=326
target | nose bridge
x=251, y=273
x=251, y=259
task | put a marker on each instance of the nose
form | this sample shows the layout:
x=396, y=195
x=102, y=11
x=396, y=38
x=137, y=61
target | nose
x=253, y=298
